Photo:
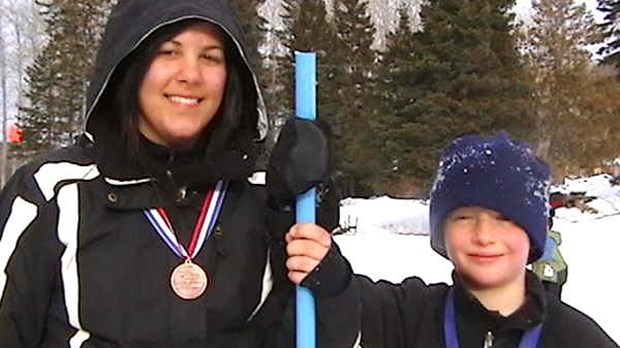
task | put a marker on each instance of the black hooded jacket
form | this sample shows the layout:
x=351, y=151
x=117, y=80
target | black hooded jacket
x=82, y=265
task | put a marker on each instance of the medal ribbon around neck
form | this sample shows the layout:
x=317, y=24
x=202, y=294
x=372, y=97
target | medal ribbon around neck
x=203, y=228
x=528, y=340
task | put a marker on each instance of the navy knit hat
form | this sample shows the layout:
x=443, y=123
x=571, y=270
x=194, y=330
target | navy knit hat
x=496, y=173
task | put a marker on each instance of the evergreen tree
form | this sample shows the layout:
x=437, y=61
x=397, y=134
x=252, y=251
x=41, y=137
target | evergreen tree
x=398, y=134
x=306, y=30
x=271, y=80
x=611, y=32
x=460, y=74
x=252, y=26
x=58, y=79
x=353, y=83
x=575, y=111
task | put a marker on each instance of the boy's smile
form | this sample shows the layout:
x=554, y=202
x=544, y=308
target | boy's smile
x=485, y=257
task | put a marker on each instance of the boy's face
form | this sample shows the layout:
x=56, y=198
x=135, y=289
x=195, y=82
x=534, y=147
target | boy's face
x=488, y=251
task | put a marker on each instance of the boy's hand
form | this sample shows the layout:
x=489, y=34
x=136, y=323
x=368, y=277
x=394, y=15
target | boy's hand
x=307, y=245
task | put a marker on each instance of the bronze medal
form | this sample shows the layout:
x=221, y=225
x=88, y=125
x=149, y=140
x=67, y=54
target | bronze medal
x=188, y=280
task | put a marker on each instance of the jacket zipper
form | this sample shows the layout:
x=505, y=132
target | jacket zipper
x=488, y=340
x=181, y=192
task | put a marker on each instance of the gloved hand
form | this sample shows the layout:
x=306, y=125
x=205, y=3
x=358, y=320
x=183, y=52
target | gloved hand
x=299, y=160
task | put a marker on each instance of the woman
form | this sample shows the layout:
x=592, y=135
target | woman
x=147, y=233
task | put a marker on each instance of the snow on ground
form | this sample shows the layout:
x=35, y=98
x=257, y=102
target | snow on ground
x=387, y=240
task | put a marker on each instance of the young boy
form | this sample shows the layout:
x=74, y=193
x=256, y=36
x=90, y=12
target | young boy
x=488, y=216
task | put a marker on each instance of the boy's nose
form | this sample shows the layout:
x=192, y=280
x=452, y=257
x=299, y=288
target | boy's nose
x=483, y=231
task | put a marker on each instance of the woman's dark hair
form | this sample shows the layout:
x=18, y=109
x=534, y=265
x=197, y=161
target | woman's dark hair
x=236, y=118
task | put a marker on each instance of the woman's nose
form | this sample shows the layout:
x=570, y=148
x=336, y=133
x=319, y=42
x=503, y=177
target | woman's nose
x=189, y=71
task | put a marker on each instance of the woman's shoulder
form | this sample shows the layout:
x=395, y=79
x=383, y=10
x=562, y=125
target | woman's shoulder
x=57, y=160
x=252, y=186
x=37, y=178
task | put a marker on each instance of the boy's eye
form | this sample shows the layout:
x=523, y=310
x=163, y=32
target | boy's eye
x=462, y=217
x=503, y=218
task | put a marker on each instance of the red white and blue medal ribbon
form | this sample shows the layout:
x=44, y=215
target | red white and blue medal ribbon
x=188, y=280
x=528, y=340
x=203, y=228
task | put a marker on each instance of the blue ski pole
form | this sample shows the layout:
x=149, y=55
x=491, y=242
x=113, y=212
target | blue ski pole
x=305, y=106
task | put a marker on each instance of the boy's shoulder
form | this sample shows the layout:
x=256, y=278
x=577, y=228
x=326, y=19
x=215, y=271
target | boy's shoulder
x=567, y=326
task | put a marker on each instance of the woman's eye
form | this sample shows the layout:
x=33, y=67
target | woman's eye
x=166, y=52
x=213, y=58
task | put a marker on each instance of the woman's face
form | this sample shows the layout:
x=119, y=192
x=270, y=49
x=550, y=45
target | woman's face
x=184, y=86
x=488, y=251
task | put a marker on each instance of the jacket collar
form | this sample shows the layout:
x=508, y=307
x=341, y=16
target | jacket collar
x=194, y=168
x=531, y=313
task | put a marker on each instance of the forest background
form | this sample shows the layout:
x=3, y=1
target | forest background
x=397, y=79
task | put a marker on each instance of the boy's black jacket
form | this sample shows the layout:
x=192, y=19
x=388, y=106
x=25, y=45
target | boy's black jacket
x=353, y=309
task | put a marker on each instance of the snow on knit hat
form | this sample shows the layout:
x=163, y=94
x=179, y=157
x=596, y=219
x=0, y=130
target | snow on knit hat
x=496, y=173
